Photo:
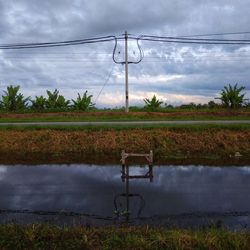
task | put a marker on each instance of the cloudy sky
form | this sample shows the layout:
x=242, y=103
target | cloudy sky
x=176, y=73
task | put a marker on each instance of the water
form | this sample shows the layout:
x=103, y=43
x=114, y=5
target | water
x=190, y=196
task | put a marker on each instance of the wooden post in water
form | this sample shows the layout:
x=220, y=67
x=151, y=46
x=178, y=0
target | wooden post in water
x=125, y=172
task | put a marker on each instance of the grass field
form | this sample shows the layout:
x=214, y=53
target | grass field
x=122, y=116
x=52, y=237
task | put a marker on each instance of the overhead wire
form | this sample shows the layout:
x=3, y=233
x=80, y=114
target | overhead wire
x=150, y=38
x=105, y=83
x=141, y=54
x=57, y=44
x=218, y=34
x=196, y=39
x=175, y=40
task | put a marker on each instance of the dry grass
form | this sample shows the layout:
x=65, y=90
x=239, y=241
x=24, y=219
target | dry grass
x=166, y=143
x=52, y=237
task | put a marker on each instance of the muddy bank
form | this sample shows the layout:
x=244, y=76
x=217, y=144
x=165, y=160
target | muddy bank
x=102, y=147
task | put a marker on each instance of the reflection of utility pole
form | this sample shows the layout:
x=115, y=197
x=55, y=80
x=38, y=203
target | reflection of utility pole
x=126, y=71
x=127, y=194
x=126, y=177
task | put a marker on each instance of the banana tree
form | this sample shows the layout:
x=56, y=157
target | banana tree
x=12, y=100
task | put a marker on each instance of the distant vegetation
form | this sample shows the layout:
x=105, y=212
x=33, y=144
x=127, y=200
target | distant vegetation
x=12, y=100
x=231, y=97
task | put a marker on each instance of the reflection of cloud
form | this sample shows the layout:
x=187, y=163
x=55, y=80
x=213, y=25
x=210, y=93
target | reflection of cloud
x=91, y=189
x=2, y=171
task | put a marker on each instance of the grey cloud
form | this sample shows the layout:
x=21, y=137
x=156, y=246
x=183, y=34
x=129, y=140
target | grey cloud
x=77, y=68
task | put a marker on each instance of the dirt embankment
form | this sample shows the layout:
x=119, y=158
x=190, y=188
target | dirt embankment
x=146, y=115
x=47, y=146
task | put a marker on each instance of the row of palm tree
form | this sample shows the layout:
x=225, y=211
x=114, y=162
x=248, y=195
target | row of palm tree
x=12, y=100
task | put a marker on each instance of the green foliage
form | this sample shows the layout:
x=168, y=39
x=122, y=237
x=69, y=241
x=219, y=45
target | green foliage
x=153, y=104
x=83, y=103
x=12, y=100
x=39, y=103
x=191, y=105
x=212, y=105
x=231, y=97
x=56, y=101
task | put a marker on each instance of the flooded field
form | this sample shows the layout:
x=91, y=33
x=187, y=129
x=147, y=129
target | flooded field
x=169, y=196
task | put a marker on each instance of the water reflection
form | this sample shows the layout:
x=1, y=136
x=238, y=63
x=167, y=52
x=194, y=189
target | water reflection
x=92, y=190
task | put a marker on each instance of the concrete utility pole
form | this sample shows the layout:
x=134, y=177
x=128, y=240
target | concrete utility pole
x=126, y=71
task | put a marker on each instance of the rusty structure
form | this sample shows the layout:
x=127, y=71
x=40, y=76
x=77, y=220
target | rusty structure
x=125, y=168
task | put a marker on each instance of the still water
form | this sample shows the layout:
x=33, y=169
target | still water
x=178, y=196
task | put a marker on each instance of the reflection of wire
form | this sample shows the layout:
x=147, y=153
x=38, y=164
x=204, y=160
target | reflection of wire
x=52, y=213
x=105, y=83
x=198, y=215
x=142, y=204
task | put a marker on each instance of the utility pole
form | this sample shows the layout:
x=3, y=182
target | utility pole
x=126, y=71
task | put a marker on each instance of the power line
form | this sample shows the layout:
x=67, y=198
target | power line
x=101, y=39
x=218, y=34
x=105, y=83
x=58, y=44
x=194, y=41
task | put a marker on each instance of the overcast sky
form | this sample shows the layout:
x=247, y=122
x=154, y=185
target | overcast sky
x=175, y=73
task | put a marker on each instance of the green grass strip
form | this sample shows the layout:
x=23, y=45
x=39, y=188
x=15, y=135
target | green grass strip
x=186, y=127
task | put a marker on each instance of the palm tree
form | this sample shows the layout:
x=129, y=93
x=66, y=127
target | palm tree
x=55, y=100
x=12, y=100
x=231, y=97
x=153, y=104
x=83, y=103
x=39, y=103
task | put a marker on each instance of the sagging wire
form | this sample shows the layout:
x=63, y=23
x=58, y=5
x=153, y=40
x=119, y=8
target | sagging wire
x=57, y=44
x=105, y=83
x=141, y=53
x=193, y=40
x=119, y=213
x=53, y=213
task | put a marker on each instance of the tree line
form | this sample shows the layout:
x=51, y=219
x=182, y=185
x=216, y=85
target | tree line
x=12, y=100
